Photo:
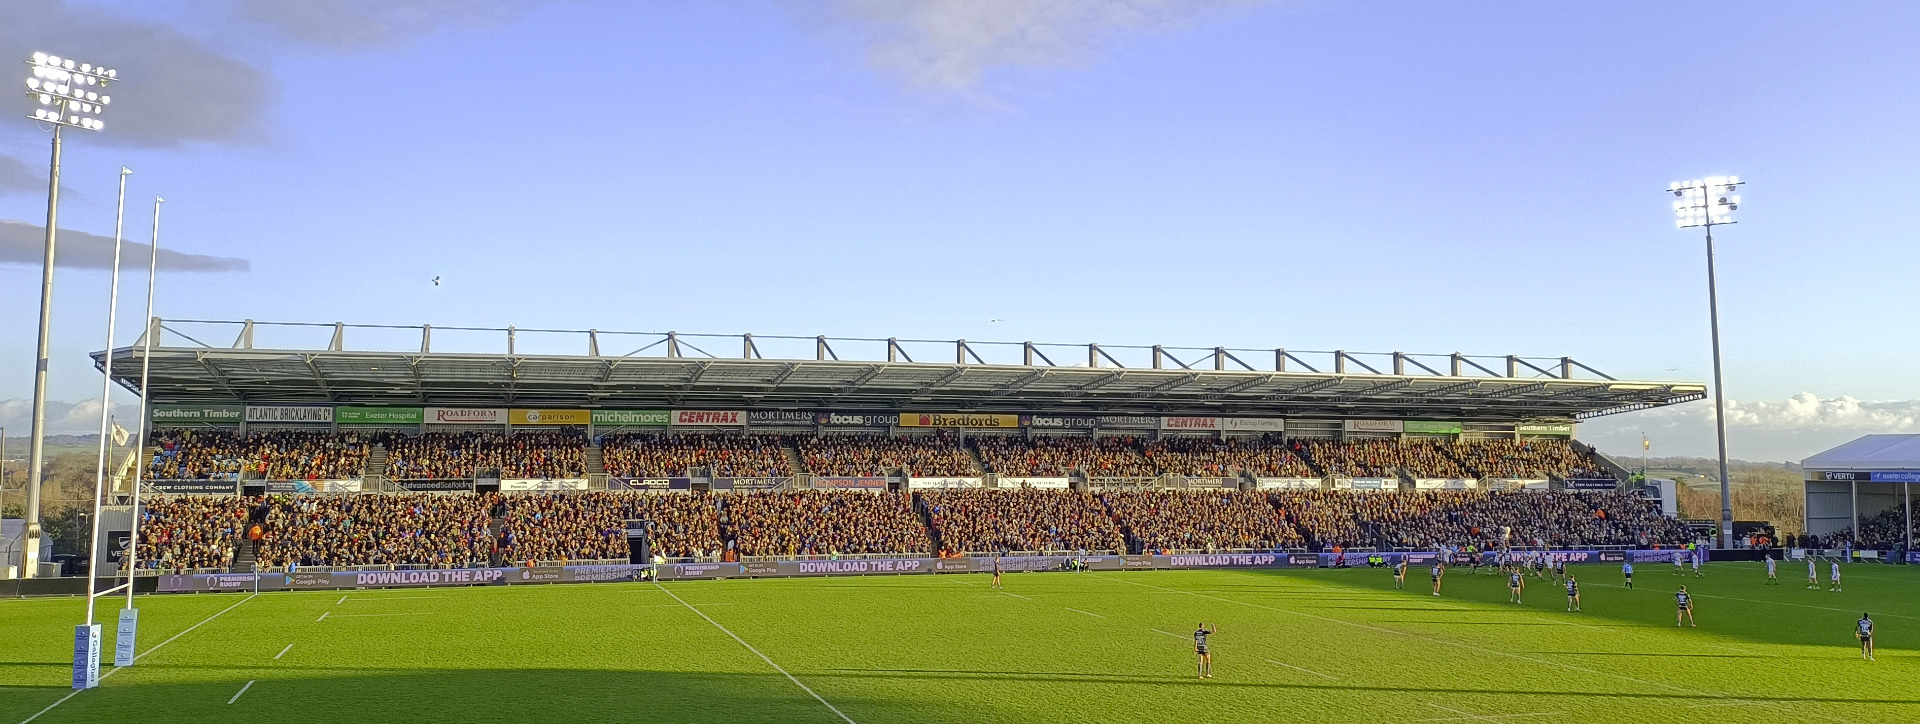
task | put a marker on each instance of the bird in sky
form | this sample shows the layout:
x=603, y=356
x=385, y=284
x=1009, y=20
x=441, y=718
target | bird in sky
x=436, y=281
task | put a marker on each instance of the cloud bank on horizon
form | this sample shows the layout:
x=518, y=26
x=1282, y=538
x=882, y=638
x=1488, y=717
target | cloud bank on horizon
x=24, y=243
x=1790, y=430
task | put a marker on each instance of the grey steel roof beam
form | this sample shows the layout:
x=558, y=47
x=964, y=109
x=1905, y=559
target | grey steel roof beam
x=1448, y=389
x=318, y=379
x=1181, y=381
x=866, y=376
x=1240, y=386
x=218, y=376
x=1109, y=378
x=1377, y=389
x=784, y=374
x=1022, y=381
x=1303, y=389
x=1564, y=361
x=950, y=376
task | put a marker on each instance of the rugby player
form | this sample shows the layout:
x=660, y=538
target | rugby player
x=1813, y=574
x=1627, y=570
x=1439, y=569
x=1864, y=630
x=1573, y=594
x=1686, y=608
x=1834, y=585
x=1400, y=573
x=1773, y=576
x=1515, y=584
x=1200, y=634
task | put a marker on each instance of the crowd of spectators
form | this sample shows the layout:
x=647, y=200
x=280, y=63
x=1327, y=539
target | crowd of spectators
x=1419, y=457
x=821, y=523
x=269, y=455
x=1484, y=519
x=592, y=525
x=982, y=520
x=1883, y=530
x=1535, y=458
x=723, y=455
x=1211, y=457
x=935, y=455
x=180, y=532
x=1055, y=456
x=1157, y=520
x=428, y=529
x=459, y=455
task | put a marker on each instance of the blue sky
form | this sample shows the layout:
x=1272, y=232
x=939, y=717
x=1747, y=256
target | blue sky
x=1434, y=177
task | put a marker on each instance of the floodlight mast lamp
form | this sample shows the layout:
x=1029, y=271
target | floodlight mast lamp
x=69, y=94
x=1706, y=203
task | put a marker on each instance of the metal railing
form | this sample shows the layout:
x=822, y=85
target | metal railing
x=530, y=341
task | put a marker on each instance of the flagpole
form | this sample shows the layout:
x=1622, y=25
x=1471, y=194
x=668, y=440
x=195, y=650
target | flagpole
x=130, y=617
x=106, y=397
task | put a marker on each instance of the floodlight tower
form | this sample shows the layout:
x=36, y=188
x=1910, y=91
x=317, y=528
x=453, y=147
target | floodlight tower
x=70, y=94
x=1705, y=203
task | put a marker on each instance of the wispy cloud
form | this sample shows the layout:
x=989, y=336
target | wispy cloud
x=63, y=418
x=24, y=243
x=1792, y=429
x=211, y=87
x=948, y=45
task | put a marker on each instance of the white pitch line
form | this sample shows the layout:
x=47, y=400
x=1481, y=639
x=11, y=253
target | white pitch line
x=366, y=615
x=283, y=652
x=1016, y=595
x=343, y=599
x=1310, y=671
x=323, y=617
x=141, y=655
x=1169, y=633
x=388, y=598
x=763, y=657
x=1089, y=613
x=243, y=690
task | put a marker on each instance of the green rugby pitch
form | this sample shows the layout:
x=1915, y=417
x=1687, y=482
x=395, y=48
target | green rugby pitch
x=1297, y=645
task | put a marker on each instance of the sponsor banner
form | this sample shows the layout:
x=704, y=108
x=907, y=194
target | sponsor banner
x=953, y=565
x=710, y=418
x=857, y=567
x=432, y=485
x=465, y=415
x=1373, y=426
x=943, y=482
x=1896, y=477
x=523, y=485
x=637, y=483
x=957, y=419
x=1545, y=429
x=1254, y=424
x=170, y=414
x=430, y=577
x=1288, y=483
x=1660, y=556
x=313, y=486
x=1913, y=557
x=1366, y=484
x=752, y=483
x=1041, y=483
x=1226, y=560
x=845, y=483
x=630, y=418
x=1021, y=563
x=1589, y=484
x=782, y=418
x=1445, y=483
x=1060, y=422
x=549, y=417
x=1516, y=484
x=379, y=415
x=1844, y=475
x=1189, y=423
x=228, y=487
x=1136, y=562
x=1127, y=422
x=857, y=419
x=536, y=574
x=1424, y=427
x=258, y=413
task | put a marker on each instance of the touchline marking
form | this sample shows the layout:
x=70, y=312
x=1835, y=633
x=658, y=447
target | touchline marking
x=365, y=615
x=141, y=655
x=283, y=652
x=323, y=617
x=1089, y=613
x=343, y=599
x=243, y=690
x=756, y=652
x=1310, y=671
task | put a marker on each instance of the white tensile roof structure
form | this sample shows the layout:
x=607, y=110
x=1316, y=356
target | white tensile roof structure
x=1872, y=452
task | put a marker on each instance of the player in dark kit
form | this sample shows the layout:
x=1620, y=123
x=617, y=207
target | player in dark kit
x=1439, y=570
x=1200, y=635
x=1864, y=630
x=1573, y=593
x=996, y=571
x=1515, y=584
x=1400, y=573
x=1686, y=607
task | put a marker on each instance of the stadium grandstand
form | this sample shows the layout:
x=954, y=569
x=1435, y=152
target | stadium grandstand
x=316, y=448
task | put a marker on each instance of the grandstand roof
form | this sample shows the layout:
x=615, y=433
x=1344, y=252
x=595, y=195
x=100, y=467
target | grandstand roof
x=1871, y=452
x=380, y=365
